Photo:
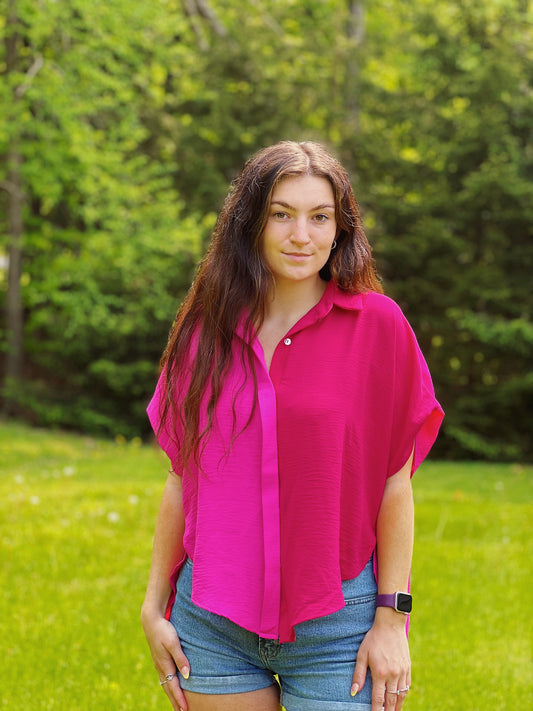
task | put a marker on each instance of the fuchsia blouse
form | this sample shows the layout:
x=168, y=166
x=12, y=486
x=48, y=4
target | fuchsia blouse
x=275, y=523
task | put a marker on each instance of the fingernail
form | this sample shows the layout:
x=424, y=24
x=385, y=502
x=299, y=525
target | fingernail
x=354, y=689
x=185, y=672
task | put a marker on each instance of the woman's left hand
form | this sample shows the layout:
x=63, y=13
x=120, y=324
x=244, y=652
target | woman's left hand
x=386, y=651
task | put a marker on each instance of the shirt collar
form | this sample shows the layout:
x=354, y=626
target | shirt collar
x=332, y=296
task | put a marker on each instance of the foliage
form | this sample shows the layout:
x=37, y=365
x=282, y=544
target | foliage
x=271, y=77
x=132, y=120
x=77, y=522
x=445, y=168
x=108, y=251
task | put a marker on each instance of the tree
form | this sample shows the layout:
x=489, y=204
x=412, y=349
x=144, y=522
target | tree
x=445, y=172
x=129, y=121
x=96, y=203
x=13, y=187
x=268, y=76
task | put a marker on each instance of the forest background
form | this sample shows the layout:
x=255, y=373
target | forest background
x=122, y=124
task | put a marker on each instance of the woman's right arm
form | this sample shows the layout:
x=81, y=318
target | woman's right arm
x=167, y=550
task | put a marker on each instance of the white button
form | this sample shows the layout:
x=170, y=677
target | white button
x=287, y=341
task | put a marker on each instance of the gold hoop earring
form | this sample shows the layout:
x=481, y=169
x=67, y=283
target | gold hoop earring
x=334, y=244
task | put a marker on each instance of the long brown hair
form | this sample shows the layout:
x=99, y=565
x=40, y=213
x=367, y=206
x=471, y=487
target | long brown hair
x=233, y=277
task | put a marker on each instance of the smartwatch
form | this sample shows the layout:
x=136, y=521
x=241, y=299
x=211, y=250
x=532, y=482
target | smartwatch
x=400, y=601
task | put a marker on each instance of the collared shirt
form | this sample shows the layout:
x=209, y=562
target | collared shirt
x=283, y=512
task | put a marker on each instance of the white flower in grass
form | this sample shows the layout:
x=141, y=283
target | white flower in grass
x=133, y=499
x=35, y=500
x=113, y=517
x=69, y=471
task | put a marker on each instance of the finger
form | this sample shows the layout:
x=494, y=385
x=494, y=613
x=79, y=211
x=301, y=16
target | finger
x=176, y=695
x=403, y=688
x=401, y=699
x=378, y=697
x=171, y=686
x=391, y=697
x=174, y=690
x=166, y=651
x=181, y=661
x=359, y=675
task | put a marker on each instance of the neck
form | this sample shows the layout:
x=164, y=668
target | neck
x=291, y=300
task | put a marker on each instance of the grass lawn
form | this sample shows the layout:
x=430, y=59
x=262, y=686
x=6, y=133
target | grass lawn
x=76, y=518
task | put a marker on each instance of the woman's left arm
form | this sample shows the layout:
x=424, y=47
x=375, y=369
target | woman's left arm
x=385, y=648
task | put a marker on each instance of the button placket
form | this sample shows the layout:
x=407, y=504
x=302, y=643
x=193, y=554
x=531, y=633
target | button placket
x=281, y=356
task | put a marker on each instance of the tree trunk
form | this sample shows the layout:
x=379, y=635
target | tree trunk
x=356, y=34
x=15, y=206
x=15, y=201
x=356, y=24
x=196, y=10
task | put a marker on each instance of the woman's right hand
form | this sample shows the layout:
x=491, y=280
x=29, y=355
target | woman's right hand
x=167, y=656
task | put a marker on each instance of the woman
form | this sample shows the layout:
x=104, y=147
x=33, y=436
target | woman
x=294, y=405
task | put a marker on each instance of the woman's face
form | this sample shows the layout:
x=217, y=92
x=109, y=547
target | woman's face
x=300, y=228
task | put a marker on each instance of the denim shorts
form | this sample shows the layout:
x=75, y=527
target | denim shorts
x=314, y=672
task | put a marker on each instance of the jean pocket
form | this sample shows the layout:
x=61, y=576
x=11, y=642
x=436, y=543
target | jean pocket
x=361, y=600
x=362, y=589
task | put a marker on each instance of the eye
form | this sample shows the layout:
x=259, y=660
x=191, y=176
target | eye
x=321, y=218
x=280, y=215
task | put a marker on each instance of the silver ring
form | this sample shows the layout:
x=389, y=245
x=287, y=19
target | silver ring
x=168, y=678
x=398, y=691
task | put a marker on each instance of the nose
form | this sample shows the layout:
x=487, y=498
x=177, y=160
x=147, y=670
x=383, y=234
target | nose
x=300, y=233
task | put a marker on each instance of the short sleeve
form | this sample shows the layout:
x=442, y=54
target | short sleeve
x=167, y=433
x=417, y=415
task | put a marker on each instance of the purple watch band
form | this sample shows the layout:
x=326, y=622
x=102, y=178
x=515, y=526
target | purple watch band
x=386, y=600
x=400, y=601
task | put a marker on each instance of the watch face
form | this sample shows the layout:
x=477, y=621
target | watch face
x=404, y=602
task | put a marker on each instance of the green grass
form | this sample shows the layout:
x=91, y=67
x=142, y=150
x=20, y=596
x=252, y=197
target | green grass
x=76, y=518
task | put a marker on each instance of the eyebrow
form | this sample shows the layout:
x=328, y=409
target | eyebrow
x=325, y=206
